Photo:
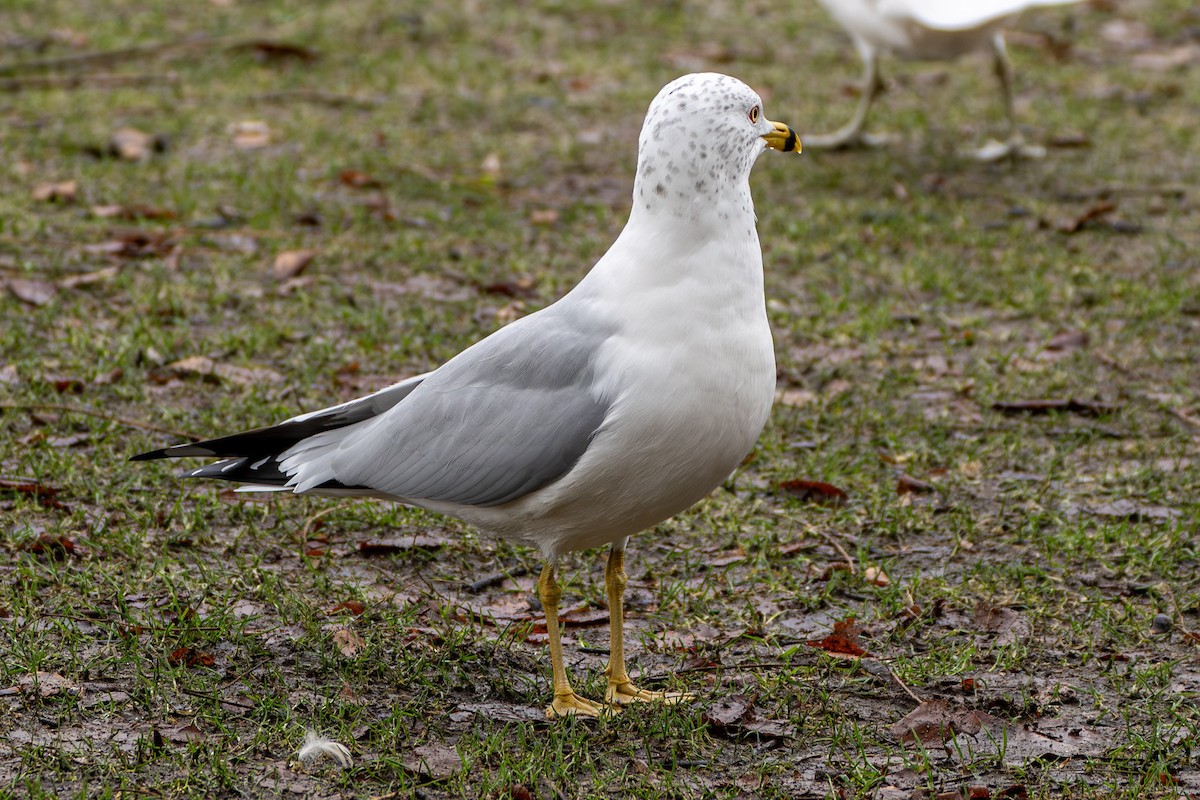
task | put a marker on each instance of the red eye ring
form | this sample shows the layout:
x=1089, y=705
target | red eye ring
x=754, y=112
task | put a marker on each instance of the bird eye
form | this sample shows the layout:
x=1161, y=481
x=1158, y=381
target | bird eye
x=754, y=112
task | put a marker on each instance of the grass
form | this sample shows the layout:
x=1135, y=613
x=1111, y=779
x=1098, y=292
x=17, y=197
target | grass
x=165, y=638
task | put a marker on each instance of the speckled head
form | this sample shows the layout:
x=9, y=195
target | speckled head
x=701, y=136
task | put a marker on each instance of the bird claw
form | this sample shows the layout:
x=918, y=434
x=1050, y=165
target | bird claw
x=621, y=694
x=572, y=705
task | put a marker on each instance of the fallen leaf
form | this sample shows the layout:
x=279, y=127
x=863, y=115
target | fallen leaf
x=130, y=144
x=204, y=367
x=183, y=734
x=267, y=50
x=358, y=180
x=795, y=398
x=250, y=134
x=33, y=292
x=523, y=286
x=60, y=192
x=934, y=722
x=57, y=547
x=44, y=494
x=131, y=213
x=843, y=642
x=736, y=718
x=347, y=607
x=48, y=684
x=1163, y=61
x=347, y=642
x=543, y=216
x=9, y=375
x=189, y=657
x=907, y=484
x=1008, y=625
x=291, y=263
x=877, y=576
x=1133, y=511
x=135, y=243
x=1067, y=340
x=825, y=494
x=437, y=762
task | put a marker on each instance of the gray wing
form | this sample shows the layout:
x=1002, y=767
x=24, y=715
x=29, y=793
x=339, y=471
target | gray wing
x=500, y=420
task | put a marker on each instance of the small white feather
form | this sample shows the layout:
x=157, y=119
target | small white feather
x=317, y=747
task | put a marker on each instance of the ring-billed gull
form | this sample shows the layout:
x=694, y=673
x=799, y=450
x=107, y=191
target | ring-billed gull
x=928, y=30
x=605, y=413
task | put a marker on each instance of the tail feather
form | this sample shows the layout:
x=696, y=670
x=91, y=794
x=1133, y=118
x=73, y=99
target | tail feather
x=256, y=456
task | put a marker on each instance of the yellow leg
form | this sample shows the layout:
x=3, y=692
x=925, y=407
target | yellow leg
x=621, y=690
x=566, y=703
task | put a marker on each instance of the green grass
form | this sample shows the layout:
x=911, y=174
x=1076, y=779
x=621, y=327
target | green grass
x=910, y=289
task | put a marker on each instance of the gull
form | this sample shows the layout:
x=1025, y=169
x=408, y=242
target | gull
x=929, y=30
x=623, y=403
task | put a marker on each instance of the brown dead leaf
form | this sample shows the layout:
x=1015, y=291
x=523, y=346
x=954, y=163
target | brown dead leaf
x=347, y=607
x=56, y=547
x=266, y=50
x=347, y=642
x=825, y=494
x=216, y=372
x=735, y=717
x=523, y=286
x=358, y=180
x=135, y=243
x=543, y=216
x=31, y=291
x=291, y=263
x=1008, y=625
x=130, y=213
x=843, y=642
x=1067, y=340
x=877, y=576
x=907, y=484
x=434, y=761
x=189, y=657
x=48, y=684
x=56, y=192
x=934, y=722
x=183, y=734
x=44, y=494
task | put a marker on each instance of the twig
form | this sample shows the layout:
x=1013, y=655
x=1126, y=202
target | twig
x=493, y=579
x=902, y=684
x=326, y=98
x=89, y=412
x=97, y=79
x=103, y=56
x=837, y=546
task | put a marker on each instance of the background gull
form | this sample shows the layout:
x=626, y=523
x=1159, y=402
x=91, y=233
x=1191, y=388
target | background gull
x=623, y=403
x=929, y=30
